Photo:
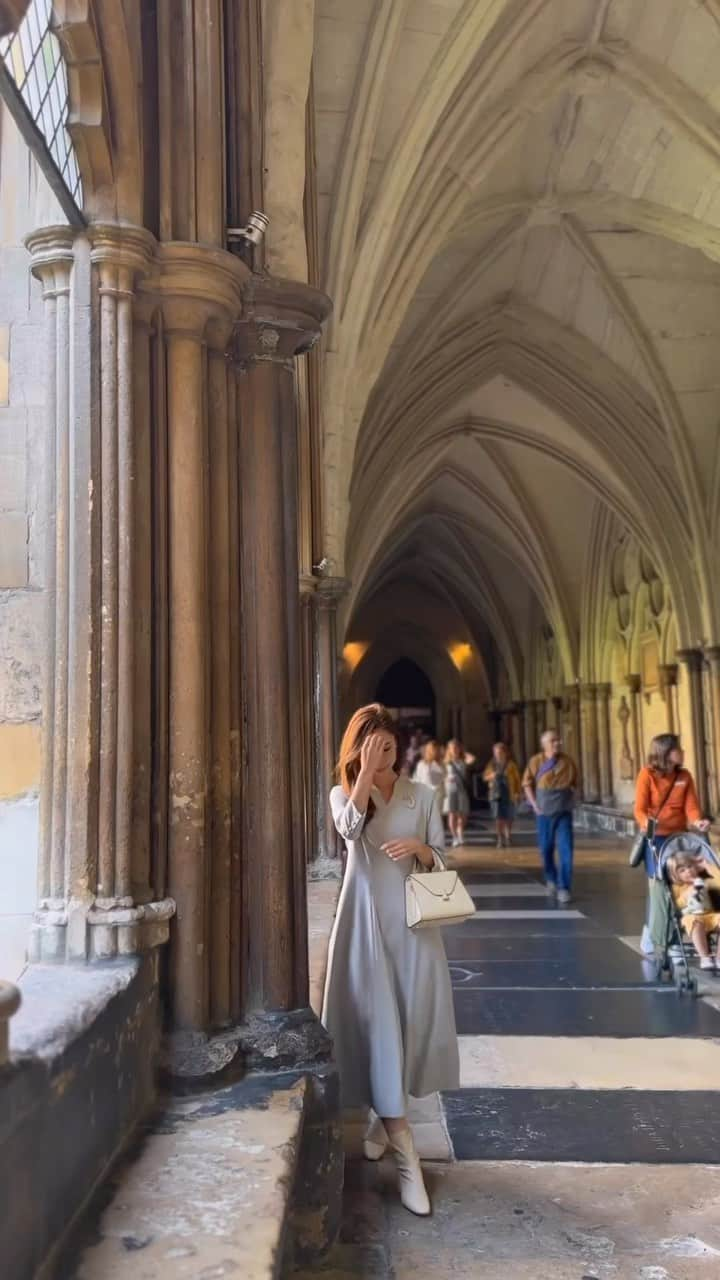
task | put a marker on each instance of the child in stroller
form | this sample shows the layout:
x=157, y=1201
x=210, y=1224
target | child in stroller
x=690, y=871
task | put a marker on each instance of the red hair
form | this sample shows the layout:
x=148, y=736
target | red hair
x=375, y=718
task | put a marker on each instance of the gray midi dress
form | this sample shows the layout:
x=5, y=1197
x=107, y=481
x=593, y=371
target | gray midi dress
x=388, y=1002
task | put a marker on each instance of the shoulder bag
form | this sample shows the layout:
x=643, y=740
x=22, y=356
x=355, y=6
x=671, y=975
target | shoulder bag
x=644, y=838
x=436, y=898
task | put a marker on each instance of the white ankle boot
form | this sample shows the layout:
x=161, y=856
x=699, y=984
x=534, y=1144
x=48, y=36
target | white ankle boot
x=375, y=1142
x=412, y=1187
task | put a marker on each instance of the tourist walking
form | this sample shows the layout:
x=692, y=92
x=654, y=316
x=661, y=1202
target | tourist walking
x=664, y=792
x=430, y=771
x=504, y=791
x=550, y=783
x=457, y=789
x=388, y=1002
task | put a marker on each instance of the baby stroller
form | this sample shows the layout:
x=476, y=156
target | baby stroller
x=678, y=950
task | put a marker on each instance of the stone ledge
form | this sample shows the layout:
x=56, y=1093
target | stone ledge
x=83, y=1049
x=208, y=1190
x=604, y=820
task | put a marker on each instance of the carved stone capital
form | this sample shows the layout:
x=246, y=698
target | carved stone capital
x=713, y=656
x=52, y=256
x=604, y=691
x=590, y=692
x=330, y=591
x=692, y=658
x=634, y=682
x=280, y=319
x=199, y=288
x=668, y=673
x=122, y=254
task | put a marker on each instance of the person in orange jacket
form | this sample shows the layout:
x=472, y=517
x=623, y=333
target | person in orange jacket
x=664, y=791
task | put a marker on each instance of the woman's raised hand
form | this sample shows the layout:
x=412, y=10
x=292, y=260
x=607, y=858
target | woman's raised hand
x=372, y=753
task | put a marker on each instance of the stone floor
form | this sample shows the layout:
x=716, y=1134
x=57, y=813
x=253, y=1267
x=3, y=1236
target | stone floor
x=574, y=1061
x=504, y=1221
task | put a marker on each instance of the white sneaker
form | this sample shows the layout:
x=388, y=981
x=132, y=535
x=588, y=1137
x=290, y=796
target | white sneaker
x=412, y=1186
x=564, y=897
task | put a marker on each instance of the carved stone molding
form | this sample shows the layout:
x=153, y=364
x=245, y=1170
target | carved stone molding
x=280, y=319
x=12, y=13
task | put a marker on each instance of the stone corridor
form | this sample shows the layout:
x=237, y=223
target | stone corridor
x=584, y=1140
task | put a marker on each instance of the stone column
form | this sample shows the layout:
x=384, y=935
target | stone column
x=530, y=727
x=573, y=715
x=495, y=716
x=693, y=660
x=94, y=899
x=668, y=685
x=634, y=684
x=199, y=291
x=557, y=703
x=524, y=748
x=589, y=724
x=329, y=593
x=280, y=320
x=713, y=656
x=604, y=694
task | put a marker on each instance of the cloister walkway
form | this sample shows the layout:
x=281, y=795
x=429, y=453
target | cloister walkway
x=587, y=1114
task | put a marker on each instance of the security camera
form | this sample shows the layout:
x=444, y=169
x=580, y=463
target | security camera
x=253, y=231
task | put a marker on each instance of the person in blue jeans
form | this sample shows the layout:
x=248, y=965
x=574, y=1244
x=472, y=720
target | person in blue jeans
x=550, y=783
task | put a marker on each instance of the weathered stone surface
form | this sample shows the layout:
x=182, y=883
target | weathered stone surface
x=20, y=648
x=83, y=1051
x=207, y=1194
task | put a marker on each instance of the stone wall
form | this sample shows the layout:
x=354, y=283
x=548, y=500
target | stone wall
x=25, y=202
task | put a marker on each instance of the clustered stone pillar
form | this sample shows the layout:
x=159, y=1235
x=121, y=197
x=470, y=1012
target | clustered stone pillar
x=589, y=726
x=693, y=662
x=634, y=684
x=328, y=594
x=94, y=895
x=522, y=748
x=280, y=319
x=668, y=685
x=604, y=695
x=712, y=655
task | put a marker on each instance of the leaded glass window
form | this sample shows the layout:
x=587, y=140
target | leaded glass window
x=34, y=84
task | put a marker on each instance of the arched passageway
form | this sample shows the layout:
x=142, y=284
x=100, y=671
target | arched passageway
x=405, y=688
x=453, y=411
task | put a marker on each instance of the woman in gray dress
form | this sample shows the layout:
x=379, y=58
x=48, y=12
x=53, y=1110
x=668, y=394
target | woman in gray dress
x=388, y=1001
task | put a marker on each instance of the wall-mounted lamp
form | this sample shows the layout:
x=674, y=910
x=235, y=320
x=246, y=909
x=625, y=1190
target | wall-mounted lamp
x=460, y=654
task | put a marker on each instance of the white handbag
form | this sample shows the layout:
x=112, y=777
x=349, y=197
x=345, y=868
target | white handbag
x=436, y=898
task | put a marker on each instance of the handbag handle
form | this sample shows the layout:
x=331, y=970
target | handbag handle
x=439, y=893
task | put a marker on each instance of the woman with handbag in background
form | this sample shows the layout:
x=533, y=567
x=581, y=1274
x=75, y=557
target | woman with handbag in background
x=666, y=804
x=457, y=789
x=388, y=1002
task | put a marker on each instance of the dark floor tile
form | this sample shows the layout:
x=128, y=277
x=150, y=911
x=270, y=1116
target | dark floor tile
x=557, y=925
x=593, y=952
x=625, y=1126
x=651, y=1013
x=582, y=973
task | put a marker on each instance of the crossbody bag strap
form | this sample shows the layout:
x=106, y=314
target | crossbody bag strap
x=661, y=806
x=460, y=778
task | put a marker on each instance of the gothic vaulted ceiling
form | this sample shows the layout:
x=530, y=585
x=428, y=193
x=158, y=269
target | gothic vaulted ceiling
x=519, y=206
